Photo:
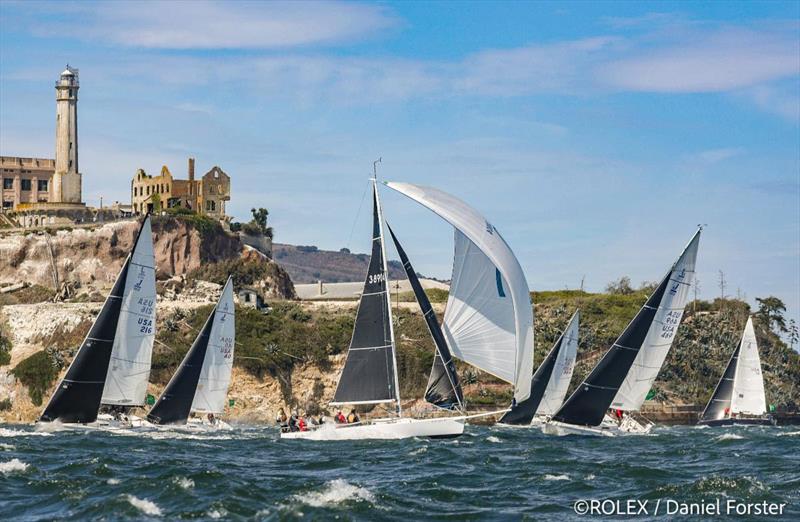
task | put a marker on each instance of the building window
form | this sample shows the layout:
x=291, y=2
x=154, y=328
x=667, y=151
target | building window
x=211, y=206
x=42, y=185
x=8, y=204
x=26, y=184
x=167, y=187
x=8, y=183
x=148, y=190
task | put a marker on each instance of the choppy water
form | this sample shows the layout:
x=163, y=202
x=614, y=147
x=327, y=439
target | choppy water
x=489, y=473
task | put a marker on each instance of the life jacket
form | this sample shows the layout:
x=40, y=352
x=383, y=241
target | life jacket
x=341, y=419
x=301, y=423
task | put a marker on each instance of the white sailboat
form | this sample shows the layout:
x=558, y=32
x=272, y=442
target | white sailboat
x=739, y=398
x=369, y=375
x=625, y=374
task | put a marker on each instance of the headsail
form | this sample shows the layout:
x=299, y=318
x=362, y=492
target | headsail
x=551, y=380
x=129, y=368
x=748, y=382
x=215, y=375
x=654, y=349
x=654, y=328
x=720, y=403
x=443, y=389
x=369, y=375
x=177, y=399
x=77, y=397
x=489, y=318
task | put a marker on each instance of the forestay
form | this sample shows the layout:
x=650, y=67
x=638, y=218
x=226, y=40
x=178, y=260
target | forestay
x=129, y=368
x=748, y=382
x=489, y=318
x=215, y=374
x=656, y=345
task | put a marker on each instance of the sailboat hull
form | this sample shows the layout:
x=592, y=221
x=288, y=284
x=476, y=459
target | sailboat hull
x=756, y=421
x=386, y=429
x=608, y=428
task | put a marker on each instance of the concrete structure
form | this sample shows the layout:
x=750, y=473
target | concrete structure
x=251, y=298
x=351, y=291
x=44, y=191
x=205, y=196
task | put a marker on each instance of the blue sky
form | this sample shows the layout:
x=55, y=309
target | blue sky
x=595, y=136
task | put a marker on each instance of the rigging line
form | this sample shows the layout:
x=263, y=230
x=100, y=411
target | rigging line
x=358, y=213
x=236, y=343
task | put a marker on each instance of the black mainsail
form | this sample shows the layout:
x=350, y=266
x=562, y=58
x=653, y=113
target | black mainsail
x=588, y=403
x=78, y=395
x=444, y=390
x=369, y=375
x=175, y=403
x=523, y=412
x=720, y=402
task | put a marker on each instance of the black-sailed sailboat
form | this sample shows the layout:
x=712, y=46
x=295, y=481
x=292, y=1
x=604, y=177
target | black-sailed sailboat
x=369, y=375
x=625, y=374
x=739, y=397
x=78, y=396
x=201, y=382
x=550, y=382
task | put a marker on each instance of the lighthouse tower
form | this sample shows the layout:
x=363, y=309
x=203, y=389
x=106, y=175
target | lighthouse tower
x=66, y=186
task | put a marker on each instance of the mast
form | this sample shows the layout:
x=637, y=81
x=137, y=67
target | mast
x=386, y=275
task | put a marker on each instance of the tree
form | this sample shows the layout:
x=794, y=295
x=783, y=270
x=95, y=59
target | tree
x=260, y=217
x=621, y=286
x=770, y=310
x=794, y=334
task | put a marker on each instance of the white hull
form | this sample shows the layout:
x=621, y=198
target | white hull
x=386, y=429
x=608, y=428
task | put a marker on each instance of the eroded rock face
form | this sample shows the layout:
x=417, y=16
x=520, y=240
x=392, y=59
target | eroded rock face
x=92, y=258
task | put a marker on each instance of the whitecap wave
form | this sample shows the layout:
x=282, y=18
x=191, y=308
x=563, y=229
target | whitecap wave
x=184, y=482
x=5, y=432
x=113, y=481
x=419, y=451
x=729, y=436
x=12, y=465
x=216, y=513
x=591, y=476
x=556, y=477
x=147, y=507
x=336, y=492
x=790, y=434
x=7, y=447
x=492, y=438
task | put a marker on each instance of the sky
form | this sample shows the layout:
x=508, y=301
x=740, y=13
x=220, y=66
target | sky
x=595, y=136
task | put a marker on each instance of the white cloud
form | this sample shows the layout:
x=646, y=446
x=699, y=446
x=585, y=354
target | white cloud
x=211, y=24
x=725, y=60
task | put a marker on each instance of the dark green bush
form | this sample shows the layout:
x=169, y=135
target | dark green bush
x=37, y=373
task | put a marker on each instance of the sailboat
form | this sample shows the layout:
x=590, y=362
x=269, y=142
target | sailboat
x=112, y=365
x=739, y=396
x=370, y=376
x=550, y=382
x=488, y=321
x=625, y=374
x=200, y=385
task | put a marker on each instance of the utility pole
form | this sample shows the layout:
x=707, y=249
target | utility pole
x=696, y=291
x=583, y=278
x=722, y=284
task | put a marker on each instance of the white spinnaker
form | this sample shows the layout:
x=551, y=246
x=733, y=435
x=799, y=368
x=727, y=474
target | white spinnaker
x=748, y=382
x=557, y=388
x=215, y=375
x=485, y=330
x=656, y=345
x=129, y=368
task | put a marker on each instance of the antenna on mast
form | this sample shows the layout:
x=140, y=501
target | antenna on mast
x=375, y=168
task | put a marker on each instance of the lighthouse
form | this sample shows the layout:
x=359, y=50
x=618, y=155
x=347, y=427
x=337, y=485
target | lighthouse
x=66, y=186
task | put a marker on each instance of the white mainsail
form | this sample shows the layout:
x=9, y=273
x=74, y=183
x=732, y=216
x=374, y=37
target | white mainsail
x=648, y=362
x=215, y=375
x=558, y=385
x=748, y=382
x=129, y=368
x=489, y=318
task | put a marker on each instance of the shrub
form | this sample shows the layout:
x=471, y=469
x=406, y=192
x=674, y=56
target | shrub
x=37, y=373
x=5, y=350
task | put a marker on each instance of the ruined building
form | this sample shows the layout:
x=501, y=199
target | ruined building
x=206, y=195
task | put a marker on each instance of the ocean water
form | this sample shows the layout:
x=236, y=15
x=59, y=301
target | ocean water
x=490, y=473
